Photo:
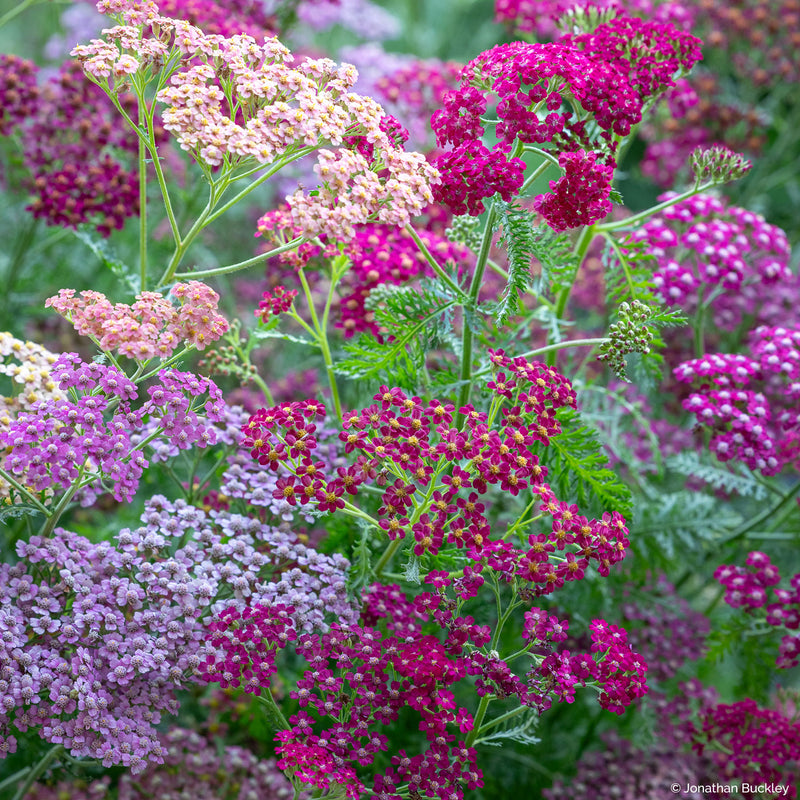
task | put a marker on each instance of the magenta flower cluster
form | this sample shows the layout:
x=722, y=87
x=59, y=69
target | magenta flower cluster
x=399, y=437
x=18, y=91
x=719, y=255
x=359, y=679
x=379, y=255
x=72, y=141
x=610, y=74
x=748, y=587
x=760, y=428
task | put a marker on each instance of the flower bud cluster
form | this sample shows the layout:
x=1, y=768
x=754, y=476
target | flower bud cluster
x=748, y=588
x=629, y=334
x=96, y=638
x=718, y=164
x=150, y=328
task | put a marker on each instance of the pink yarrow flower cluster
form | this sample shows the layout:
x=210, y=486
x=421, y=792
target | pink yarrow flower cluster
x=760, y=428
x=152, y=327
x=748, y=587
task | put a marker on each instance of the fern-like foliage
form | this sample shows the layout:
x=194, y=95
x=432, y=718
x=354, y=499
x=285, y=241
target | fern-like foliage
x=518, y=729
x=558, y=263
x=108, y=258
x=413, y=322
x=628, y=273
x=519, y=240
x=578, y=467
x=674, y=525
x=716, y=475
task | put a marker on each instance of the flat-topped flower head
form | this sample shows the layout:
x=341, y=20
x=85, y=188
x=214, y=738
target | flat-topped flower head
x=152, y=327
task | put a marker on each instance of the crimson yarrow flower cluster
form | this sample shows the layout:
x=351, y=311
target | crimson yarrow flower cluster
x=152, y=327
x=433, y=473
x=96, y=638
x=361, y=676
x=548, y=94
x=233, y=101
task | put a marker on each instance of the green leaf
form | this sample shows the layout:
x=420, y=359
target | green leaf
x=518, y=729
x=683, y=522
x=102, y=249
x=414, y=322
x=287, y=337
x=578, y=467
x=718, y=477
x=519, y=240
x=17, y=511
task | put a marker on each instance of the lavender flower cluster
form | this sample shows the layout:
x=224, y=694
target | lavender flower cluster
x=95, y=639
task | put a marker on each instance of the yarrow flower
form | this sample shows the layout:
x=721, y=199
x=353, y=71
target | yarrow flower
x=93, y=657
x=760, y=428
x=18, y=91
x=193, y=765
x=150, y=328
x=728, y=257
x=282, y=113
x=611, y=73
x=86, y=437
x=748, y=587
x=380, y=255
x=399, y=437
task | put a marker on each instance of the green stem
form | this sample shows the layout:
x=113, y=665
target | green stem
x=18, y=9
x=742, y=531
x=142, y=205
x=37, y=771
x=250, y=262
x=479, y=715
x=388, y=555
x=274, y=711
x=434, y=265
x=322, y=340
x=649, y=212
x=50, y=523
x=503, y=718
x=6, y=476
x=474, y=289
x=550, y=348
x=699, y=324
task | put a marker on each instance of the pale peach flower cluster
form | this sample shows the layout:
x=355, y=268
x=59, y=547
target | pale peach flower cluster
x=27, y=364
x=232, y=100
x=152, y=327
